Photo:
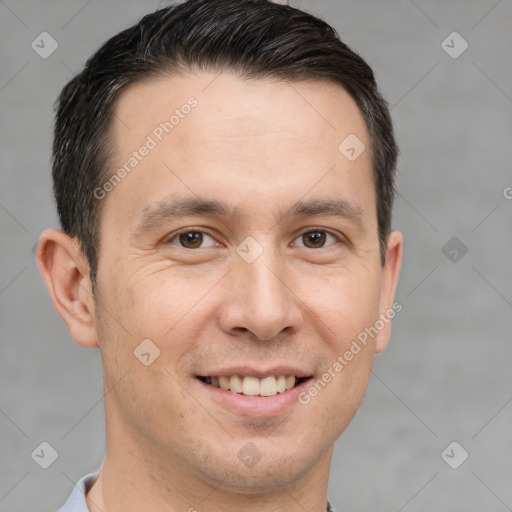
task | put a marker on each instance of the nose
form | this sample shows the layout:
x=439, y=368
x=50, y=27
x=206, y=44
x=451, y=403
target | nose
x=260, y=298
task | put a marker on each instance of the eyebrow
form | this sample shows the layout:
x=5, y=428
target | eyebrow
x=155, y=214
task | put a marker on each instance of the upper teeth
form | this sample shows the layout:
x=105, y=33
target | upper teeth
x=267, y=386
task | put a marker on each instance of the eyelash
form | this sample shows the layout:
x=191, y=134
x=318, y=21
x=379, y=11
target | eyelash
x=193, y=230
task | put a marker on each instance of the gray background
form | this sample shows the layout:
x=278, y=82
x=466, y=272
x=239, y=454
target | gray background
x=446, y=374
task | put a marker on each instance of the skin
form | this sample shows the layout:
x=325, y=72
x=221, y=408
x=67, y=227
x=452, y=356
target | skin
x=259, y=145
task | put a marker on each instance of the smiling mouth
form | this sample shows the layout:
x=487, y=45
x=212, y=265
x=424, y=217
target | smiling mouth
x=253, y=386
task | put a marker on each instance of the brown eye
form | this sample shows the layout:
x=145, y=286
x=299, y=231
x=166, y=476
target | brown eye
x=191, y=240
x=316, y=239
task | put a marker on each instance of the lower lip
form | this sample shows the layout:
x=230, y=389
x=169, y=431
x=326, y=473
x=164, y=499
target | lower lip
x=261, y=406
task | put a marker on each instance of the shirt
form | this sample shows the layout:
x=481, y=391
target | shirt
x=76, y=502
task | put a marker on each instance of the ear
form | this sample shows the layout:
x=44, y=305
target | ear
x=390, y=272
x=66, y=273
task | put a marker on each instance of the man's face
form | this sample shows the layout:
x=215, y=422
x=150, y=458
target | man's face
x=265, y=288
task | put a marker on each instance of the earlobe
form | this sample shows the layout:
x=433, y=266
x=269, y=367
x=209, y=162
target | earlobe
x=66, y=273
x=390, y=273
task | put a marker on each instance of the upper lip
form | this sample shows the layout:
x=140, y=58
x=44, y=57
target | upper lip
x=251, y=371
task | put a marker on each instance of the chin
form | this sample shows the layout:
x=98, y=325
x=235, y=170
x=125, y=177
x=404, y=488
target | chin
x=268, y=471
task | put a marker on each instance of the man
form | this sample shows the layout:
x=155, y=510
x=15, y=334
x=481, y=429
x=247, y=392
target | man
x=224, y=176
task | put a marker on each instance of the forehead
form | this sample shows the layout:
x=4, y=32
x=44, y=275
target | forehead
x=204, y=133
x=238, y=106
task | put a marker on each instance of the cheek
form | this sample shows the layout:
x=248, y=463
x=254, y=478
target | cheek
x=347, y=308
x=347, y=303
x=337, y=393
x=163, y=309
x=154, y=303
x=145, y=393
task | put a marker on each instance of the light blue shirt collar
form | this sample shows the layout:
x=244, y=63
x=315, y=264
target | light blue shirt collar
x=76, y=502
